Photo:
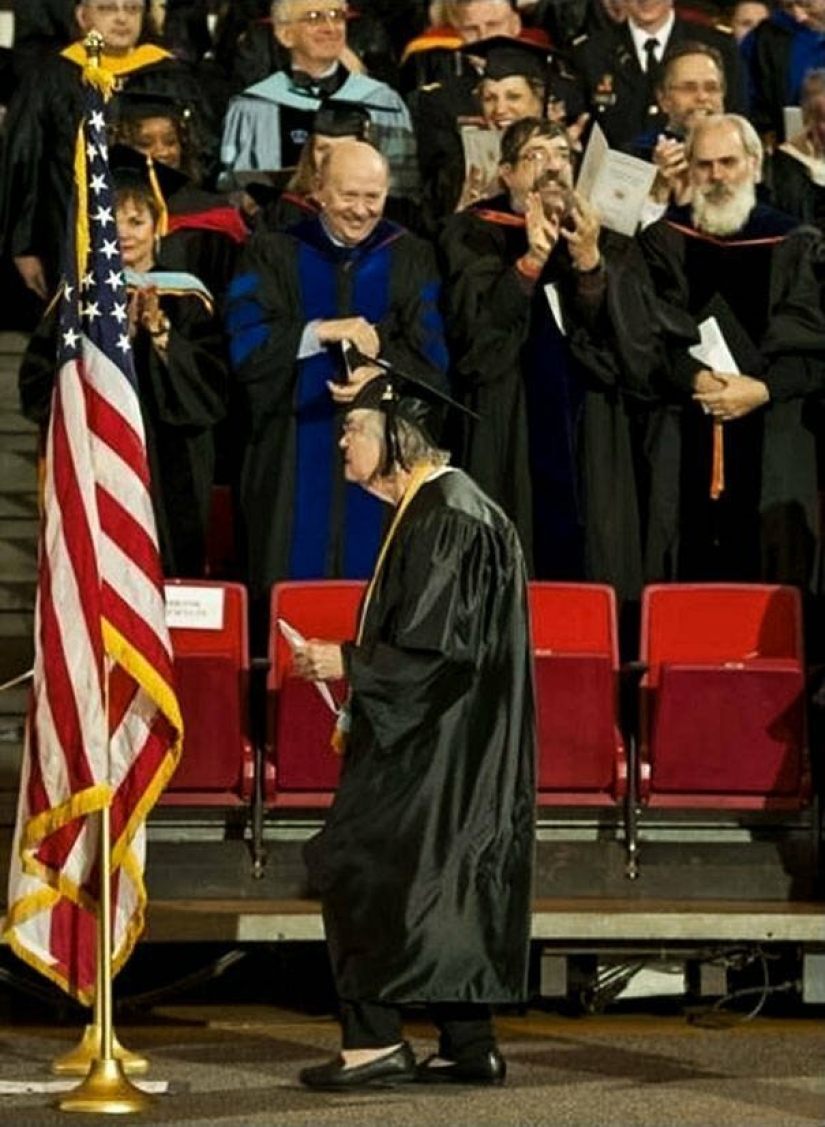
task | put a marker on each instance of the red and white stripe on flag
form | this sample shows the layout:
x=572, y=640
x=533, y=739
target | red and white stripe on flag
x=104, y=726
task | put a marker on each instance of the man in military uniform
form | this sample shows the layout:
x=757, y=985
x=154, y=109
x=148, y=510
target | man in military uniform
x=619, y=67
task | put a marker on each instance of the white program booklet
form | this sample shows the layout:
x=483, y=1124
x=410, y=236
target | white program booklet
x=616, y=184
x=712, y=349
x=297, y=641
x=482, y=152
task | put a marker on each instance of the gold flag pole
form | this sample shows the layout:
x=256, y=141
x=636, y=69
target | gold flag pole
x=106, y=1087
x=78, y=1060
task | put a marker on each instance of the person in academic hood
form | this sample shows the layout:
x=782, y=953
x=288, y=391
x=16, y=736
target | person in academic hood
x=181, y=371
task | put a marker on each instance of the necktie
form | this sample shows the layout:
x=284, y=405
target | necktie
x=651, y=73
x=651, y=63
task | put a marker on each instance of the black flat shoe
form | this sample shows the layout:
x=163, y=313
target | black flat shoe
x=396, y=1067
x=489, y=1068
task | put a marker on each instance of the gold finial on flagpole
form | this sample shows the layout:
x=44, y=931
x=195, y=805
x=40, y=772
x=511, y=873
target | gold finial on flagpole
x=93, y=45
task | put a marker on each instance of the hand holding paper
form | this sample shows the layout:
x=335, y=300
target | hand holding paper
x=727, y=395
x=315, y=661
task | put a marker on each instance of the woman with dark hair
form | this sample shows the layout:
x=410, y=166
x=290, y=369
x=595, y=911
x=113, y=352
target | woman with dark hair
x=205, y=229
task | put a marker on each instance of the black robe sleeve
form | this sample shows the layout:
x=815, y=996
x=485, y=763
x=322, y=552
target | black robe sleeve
x=188, y=386
x=793, y=341
x=488, y=308
x=412, y=335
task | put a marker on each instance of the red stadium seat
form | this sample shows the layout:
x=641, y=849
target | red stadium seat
x=722, y=710
x=211, y=650
x=299, y=723
x=581, y=750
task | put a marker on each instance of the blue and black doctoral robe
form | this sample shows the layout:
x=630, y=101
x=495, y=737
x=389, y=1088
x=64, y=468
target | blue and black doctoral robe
x=303, y=520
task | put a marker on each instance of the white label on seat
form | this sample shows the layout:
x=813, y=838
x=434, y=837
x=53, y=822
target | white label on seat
x=194, y=608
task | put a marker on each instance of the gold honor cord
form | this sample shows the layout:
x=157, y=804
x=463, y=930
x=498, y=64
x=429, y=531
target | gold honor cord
x=419, y=475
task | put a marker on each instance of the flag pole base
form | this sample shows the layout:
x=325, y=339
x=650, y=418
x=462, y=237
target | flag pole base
x=78, y=1060
x=106, y=1090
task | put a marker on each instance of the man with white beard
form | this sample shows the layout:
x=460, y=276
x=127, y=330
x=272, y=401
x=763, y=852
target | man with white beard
x=734, y=480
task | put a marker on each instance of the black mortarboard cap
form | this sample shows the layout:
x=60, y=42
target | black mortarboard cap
x=130, y=168
x=135, y=105
x=400, y=396
x=505, y=56
x=128, y=165
x=338, y=118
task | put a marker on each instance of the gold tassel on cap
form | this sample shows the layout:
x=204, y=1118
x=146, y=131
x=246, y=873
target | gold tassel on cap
x=162, y=226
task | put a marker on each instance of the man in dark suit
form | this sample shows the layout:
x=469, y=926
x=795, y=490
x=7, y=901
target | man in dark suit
x=618, y=67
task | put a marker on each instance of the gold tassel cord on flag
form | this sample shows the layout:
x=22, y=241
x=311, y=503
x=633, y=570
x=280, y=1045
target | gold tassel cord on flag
x=27, y=676
x=82, y=240
x=103, y=80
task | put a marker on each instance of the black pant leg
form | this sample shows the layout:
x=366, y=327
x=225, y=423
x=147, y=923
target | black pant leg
x=369, y=1025
x=465, y=1029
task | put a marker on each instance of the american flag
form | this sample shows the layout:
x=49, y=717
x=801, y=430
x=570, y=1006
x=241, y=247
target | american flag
x=104, y=726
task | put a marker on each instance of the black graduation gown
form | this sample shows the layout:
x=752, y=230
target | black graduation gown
x=41, y=27
x=556, y=443
x=302, y=519
x=794, y=191
x=181, y=399
x=38, y=156
x=765, y=525
x=424, y=862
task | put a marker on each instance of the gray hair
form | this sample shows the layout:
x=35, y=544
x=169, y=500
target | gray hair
x=747, y=134
x=414, y=446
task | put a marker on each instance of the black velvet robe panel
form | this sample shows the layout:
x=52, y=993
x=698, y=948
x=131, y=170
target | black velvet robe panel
x=424, y=864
